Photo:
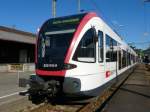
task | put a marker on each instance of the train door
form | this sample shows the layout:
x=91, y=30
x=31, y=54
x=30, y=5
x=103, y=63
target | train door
x=101, y=52
x=111, y=58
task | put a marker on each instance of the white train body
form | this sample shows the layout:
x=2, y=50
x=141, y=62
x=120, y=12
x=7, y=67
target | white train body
x=95, y=55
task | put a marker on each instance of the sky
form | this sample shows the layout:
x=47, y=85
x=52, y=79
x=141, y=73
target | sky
x=129, y=17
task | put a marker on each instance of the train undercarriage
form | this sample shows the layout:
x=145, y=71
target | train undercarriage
x=42, y=89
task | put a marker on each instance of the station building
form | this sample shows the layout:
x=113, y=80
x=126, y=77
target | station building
x=16, y=46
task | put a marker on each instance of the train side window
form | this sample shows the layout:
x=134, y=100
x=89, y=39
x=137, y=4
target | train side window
x=128, y=58
x=108, y=50
x=124, y=59
x=111, y=49
x=114, y=50
x=86, y=50
x=131, y=59
x=120, y=58
x=100, y=46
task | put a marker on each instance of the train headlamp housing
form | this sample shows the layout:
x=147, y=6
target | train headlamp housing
x=68, y=66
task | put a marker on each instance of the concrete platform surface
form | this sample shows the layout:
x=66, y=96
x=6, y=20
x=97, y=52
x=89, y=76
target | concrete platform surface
x=9, y=82
x=10, y=100
x=134, y=95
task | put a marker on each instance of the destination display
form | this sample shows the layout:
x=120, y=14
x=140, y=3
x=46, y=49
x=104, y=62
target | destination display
x=66, y=21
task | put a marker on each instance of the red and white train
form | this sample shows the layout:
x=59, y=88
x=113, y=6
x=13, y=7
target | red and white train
x=77, y=56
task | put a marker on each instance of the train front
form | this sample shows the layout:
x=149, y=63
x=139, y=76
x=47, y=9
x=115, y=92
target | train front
x=52, y=48
x=65, y=46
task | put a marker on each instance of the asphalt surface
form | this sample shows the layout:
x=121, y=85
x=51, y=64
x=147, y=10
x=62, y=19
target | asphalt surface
x=9, y=82
x=134, y=95
x=9, y=92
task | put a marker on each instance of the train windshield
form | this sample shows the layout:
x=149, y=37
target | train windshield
x=54, y=45
x=54, y=40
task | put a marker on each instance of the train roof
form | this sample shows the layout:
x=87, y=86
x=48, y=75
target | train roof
x=114, y=34
x=74, y=20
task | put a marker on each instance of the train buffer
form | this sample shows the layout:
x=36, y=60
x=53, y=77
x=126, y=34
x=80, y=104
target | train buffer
x=134, y=94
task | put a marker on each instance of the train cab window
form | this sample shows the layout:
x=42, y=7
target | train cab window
x=100, y=46
x=86, y=50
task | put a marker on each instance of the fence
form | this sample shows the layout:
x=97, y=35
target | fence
x=17, y=67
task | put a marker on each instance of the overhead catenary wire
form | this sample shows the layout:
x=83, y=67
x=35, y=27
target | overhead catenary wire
x=104, y=17
x=79, y=6
x=141, y=42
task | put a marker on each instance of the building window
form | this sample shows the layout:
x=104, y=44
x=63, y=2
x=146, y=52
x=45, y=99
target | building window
x=86, y=50
x=100, y=46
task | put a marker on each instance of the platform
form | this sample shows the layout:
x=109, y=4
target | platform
x=134, y=94
x=9, y=92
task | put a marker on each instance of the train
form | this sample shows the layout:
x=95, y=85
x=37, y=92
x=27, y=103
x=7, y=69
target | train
x=76, y=56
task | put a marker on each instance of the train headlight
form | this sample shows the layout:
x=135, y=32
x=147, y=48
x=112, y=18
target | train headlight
x=69, y=66
x=75, y=84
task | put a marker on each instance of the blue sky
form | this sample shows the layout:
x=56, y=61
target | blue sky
x=129, y=17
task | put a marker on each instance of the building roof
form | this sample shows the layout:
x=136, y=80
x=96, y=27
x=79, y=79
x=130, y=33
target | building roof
x=11, y=34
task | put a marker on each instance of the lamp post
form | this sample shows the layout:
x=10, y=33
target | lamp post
x=79, y=6
x=145, y=1
x=54, y=8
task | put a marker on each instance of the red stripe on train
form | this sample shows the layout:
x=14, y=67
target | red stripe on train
x=76, y=35
x=51, y=73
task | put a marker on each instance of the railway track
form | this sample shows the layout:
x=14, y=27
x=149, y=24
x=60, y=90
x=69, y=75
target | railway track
x=96, y=104
x=148, y=67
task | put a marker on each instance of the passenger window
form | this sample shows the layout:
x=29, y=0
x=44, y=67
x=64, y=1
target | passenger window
x=86, y=50
x=128, y=58
x=108, y=50
x=114, y=52
x=111, y=49
x=100, y=46
x=124, y=59
x=120, y=58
